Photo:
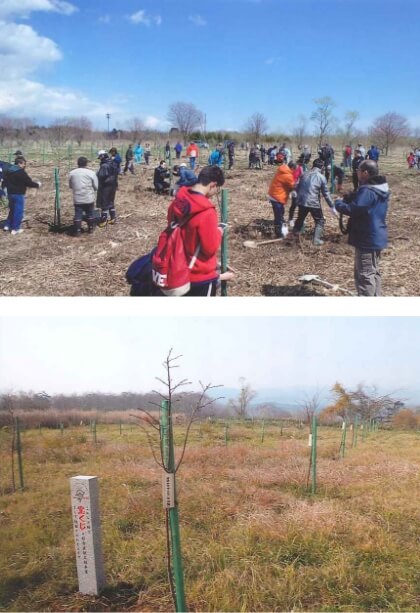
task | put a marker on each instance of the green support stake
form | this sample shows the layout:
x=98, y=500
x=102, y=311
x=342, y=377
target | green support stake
x=343, y=440
x=355, y=431
x=120, y=427
x=62, y=429
x=313, y=452
x=169, y=463
x=332, y=177
x=224, y=218
x=262, y=431
x=364, y=430
x=226, y=434
x=19, y=453
x=57, y=207
x=94, y=431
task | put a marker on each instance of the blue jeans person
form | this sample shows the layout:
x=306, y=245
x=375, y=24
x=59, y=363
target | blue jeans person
x=16, y=211
x=278, y=210
x=192, y=163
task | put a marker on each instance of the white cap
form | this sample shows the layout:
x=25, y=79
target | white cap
x=183, y=164
x=101, y=153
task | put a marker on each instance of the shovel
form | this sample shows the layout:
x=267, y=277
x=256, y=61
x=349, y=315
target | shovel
x=255, y=244
x=317, y=279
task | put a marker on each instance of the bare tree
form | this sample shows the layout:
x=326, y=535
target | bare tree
x=136, y=129
x=350, y=119
x=300, y=130
x=388, y=128
x=256, y=126
x=81, y=128
x=241, y=404
x=311, y=405
x=323, y=117
x=185, y=117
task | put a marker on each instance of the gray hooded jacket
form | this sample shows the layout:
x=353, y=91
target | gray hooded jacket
x=311, y=185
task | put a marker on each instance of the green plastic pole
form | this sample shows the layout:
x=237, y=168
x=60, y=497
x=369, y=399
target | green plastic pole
x=226, y=434
x=355, y=429
x=169, y=462
x=364, y=427
x=94, y=431
x=224, y=217
x=332, y=176
x=62, y=429
x=57, y=208
x=19, y=453
x=313, y=452
x=343, y=440
x=262, y=431
x=120, y=427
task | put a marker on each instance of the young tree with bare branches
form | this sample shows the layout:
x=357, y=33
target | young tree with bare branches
x=160, y=437
x=387, y=129
x=256, y=126
x=323, y=117
x=185, y=117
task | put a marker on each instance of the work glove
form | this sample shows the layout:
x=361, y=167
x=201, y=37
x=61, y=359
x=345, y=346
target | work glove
x=39, y=183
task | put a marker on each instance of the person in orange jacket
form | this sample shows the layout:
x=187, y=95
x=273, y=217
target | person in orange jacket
x=278, y=193
x=192, y=153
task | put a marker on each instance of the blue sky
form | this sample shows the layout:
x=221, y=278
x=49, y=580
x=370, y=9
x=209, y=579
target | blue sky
x=230, y=58
x=122, y=353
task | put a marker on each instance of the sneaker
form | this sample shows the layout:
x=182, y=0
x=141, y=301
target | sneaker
x=6, y=228
x=17, y=231
x=102, y=223
x=112, y=221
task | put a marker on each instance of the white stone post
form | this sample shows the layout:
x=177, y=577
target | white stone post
x=87, y=533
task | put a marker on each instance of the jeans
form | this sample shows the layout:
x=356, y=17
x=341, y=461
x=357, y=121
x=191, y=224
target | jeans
x=79, y=209
x=278, y=209
x=203, y=289
x=16, y=211
x=367, y=276
x=192, y=163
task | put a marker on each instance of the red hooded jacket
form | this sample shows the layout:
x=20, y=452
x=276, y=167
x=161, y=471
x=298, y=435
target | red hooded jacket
x=201, y=229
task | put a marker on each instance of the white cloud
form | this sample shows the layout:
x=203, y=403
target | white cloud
x=23, y=8
x=155, y=122
x=22, y=50
x=24, y=97
x=140, y=17
x=147, y=20
x=104, y=19
x=197, y=20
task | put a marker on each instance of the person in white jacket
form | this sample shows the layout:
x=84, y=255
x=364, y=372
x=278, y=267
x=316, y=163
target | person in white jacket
x=84, y=184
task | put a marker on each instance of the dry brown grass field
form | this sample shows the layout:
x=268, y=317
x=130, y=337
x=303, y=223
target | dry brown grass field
x=44, y=263
x=253, y=537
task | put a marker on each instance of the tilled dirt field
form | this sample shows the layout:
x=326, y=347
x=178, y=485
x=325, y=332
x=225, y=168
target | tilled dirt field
x=43, y=262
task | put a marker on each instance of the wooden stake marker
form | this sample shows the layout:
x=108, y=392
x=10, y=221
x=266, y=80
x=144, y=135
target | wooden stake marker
x=87, y=534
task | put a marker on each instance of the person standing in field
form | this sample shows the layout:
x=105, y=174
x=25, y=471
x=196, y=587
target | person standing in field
x=147, y=153
x=160, y=177
x=84, y=184
x=368, y=232
x=201, y=234
x=116, y=158
x=347, y=156
x=311, y=186
x=373, y=153
x=138, y=153
x=16, y=180
x=357, y=160
x=178, y=150
x=192, y=153
x=129, y=160
x=297, y=169
x=278, y=193
x=231, y=154
x=107, y=187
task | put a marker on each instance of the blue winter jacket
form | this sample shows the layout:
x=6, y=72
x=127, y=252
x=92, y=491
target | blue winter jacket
x=186, y=177
x=367, y=210
x=216, y=158
x=373, y=154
